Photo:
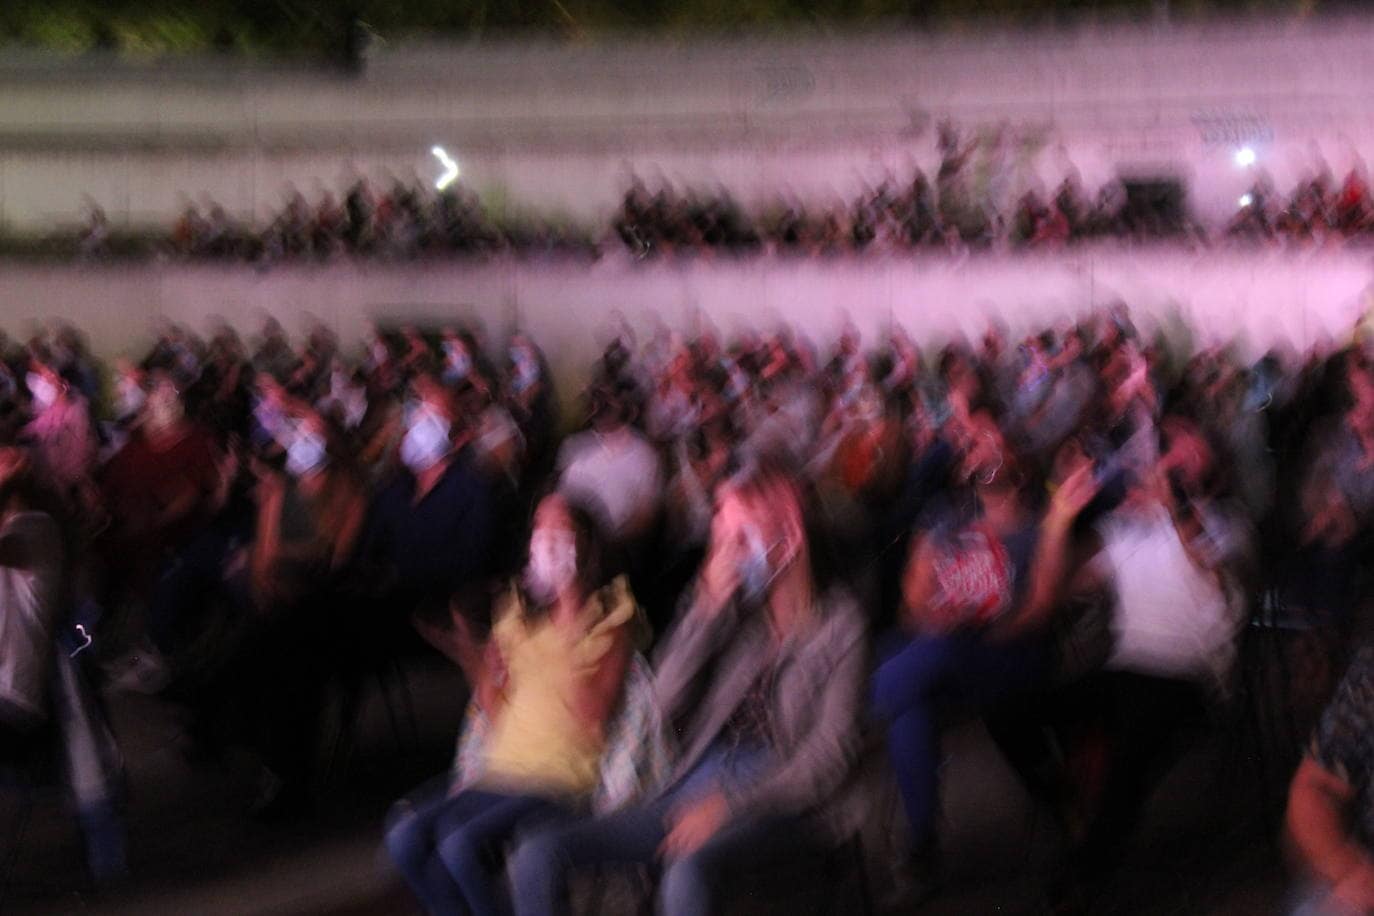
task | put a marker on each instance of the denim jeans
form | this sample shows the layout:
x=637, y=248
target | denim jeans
x=540, y=864
x=442, y=845
x=915, y=686
x=1313, y=899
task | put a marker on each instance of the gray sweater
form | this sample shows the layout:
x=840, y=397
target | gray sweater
x=706, y=668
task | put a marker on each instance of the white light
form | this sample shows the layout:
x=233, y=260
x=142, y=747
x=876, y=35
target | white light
x=450, y=168
x=1246, y=200
x=1245, y=156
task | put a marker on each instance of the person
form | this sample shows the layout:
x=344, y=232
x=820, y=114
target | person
x=159, y=490
x=310, y=517
x=1330, y=818
x=31, y=605
x=1169, y=556
x=63, y=440
x=549, y=684
x=429, y=533
x=613, y=466
x=528, y=396
x=760, y=684
x=46, y=702
x=978, y=587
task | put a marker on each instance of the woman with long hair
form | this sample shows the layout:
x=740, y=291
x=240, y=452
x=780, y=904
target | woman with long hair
x=551, y=679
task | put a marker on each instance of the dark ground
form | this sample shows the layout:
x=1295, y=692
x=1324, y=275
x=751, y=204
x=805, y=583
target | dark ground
x=1206, y=847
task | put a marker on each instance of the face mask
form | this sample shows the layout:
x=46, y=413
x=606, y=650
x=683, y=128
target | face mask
x=129, y=398
x=756, y=573
x=307, y=453
x=270, y=418
x=553, y=563
x=43, y=391
x=459, y=362
x=355, y=407
x=426, y=442
x=868, y=410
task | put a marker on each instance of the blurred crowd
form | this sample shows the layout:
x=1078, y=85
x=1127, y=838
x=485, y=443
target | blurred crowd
x=720, y=626
x=402, y=221
x=1316, y=210
x=405, y=220
x=978, y=200
x=967, y=206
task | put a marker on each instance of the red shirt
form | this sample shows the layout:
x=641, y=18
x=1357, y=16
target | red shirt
x=148, y=475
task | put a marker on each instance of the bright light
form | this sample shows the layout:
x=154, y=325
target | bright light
x=1246, y=200
x=1245, y=156
x=450, y=168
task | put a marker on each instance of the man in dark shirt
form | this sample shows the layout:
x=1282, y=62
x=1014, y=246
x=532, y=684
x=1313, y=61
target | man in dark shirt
x=429, y=534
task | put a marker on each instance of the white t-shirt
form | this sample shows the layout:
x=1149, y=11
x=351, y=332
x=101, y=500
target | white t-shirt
x=29, y=609
x=620, y=474
x=1172, y=618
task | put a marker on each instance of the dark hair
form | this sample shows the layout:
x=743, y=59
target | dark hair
x=595, y=566
x=824, y=554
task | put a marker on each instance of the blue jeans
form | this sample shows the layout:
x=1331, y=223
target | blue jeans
x=441, y=845
x=919, y=682
x=540, y=864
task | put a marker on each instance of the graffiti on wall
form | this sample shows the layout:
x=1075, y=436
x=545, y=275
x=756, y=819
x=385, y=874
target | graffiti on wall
x=1232, y=127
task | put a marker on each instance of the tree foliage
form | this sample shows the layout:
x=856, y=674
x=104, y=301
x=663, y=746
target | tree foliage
x=149, y=27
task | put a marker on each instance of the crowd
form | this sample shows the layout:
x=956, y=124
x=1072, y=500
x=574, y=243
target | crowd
x=724, y=623
x=970, y=204
x=403, y=221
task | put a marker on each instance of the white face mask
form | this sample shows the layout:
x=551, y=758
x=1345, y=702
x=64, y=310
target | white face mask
x=129, y=397
x=307, y=453
x=553, y=563
x=270, y=418
x=355, y=407
x=44, y=392
x=756, y=573
x=526, y=369
x=426, y=441
x=459, y=362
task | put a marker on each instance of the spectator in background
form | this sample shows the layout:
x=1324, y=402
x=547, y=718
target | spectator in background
x=528, y=396
x=130, y=392
x=613, y=467
x=460, y=361
x=309, y=515
x=160, y=490
x=1170, y=555
x=61, y=434
x=429, y=537
x=273, y=353
x=980, y=583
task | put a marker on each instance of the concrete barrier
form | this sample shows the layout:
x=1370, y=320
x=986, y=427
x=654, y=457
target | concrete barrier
x=1256, y=298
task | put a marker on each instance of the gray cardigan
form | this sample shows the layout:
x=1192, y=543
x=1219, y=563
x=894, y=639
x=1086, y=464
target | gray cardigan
x=705, y=670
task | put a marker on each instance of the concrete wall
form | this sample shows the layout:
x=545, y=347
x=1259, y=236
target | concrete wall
x=1257, y=299
x=561, y=126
